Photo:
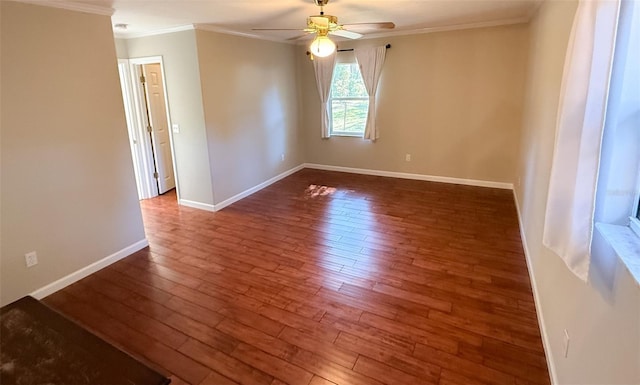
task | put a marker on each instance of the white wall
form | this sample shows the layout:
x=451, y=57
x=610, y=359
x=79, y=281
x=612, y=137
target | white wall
x=602, y=316
x=68, y=190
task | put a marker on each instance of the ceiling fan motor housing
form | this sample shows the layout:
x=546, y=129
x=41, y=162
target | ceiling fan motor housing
x=321, y=3
x=328, y=22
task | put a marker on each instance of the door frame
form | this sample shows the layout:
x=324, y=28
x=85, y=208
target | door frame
x=140, y=141
x=135, y=144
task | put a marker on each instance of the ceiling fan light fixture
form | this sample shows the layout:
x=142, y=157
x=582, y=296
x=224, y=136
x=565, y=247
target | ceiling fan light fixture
x=322, y=46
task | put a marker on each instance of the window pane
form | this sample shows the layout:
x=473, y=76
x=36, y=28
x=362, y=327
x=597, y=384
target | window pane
x=349, y=116
x=349, y=100
x=347, y=82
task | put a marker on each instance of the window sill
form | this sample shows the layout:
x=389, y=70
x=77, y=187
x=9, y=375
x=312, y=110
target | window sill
x=346, y=134
x=626, y=244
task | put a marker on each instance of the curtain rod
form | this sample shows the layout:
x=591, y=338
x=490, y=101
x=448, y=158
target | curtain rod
x=351, y=49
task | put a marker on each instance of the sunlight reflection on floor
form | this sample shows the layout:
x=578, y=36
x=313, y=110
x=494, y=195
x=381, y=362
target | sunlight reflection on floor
x=315, y=190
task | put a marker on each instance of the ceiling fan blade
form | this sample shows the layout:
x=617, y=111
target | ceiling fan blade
x=300, y=37
x=370, y=26
x=276, y=29
x=345, y=33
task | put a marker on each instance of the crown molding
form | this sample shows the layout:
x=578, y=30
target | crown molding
x=485, y=24
x=72, y=6
x=189, y=27
x=162, y=31
x=456, y=27
x=225, y=31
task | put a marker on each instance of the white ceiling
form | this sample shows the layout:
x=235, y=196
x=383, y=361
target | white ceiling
x=239, y=16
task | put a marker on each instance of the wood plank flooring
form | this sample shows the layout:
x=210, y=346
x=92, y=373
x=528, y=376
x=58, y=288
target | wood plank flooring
x=325, y=278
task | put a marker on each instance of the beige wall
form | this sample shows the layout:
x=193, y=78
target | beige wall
x=603, y=316
x=453, y=100
x=236, y=102
x=122, y=49
x=250, y=106
x=68, y=190
x=184, y=96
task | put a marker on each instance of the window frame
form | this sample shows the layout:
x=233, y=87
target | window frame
x=634, y=223
x=634, y=219
x=346, y=59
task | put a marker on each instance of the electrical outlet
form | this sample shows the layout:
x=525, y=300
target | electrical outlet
x=31, y=259
x=175, y=128
x=407, y=158
x=565, y=343
x=282, y=157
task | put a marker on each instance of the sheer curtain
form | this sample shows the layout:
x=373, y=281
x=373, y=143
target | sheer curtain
x=568, y=224
x=323, y=67
x=371, y=61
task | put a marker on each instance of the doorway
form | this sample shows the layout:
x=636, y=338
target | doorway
x=148, y=123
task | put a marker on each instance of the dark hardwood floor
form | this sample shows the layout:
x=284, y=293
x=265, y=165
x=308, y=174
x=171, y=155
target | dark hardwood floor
x=369, y=281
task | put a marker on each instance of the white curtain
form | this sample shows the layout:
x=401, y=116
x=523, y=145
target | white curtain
x=371, y=61
x=581, y=113
x=323, y=67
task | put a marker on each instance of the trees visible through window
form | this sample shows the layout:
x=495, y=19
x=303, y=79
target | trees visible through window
x=348, y=101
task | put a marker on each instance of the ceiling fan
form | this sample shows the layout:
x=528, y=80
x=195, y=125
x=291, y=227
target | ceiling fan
x=323, y=25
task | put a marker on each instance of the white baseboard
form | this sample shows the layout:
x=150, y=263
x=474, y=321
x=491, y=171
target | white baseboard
x=237, y=197
x=196, y=205
x=256, y=188
x=543, y=330
x=404, y=175
x=88, y=270
x=391, y=174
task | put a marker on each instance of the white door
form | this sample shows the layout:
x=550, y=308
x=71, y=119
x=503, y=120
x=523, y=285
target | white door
x=157, y=109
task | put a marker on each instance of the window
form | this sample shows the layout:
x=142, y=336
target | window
x=620, y=158
x=348, y=101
